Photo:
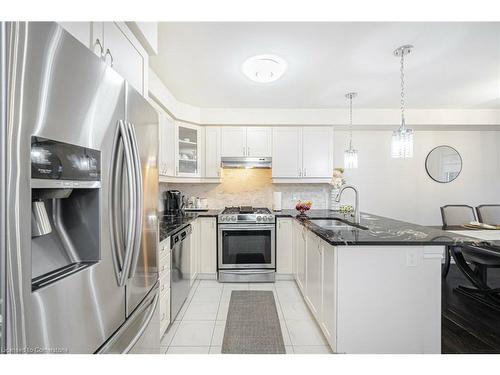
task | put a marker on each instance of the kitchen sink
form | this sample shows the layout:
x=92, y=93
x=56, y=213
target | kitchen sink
x=334, y=224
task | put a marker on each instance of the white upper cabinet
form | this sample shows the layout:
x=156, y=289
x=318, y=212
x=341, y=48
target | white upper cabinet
x=188, y=150
x=259, y=141
x=302, y=154
x=212, y=152
x=234, y=141
x=317, y=151
x=121, y=54
x=253, y=141
x=287, y=152
x=114, y=43
x=166, y=142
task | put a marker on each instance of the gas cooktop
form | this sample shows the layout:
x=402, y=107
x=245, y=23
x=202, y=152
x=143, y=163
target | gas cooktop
x=246, y=214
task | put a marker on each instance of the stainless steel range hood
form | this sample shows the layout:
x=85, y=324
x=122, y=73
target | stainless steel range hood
x=246, y=162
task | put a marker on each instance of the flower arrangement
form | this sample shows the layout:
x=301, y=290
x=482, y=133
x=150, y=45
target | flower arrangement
x=337, y=178
x=303, y=206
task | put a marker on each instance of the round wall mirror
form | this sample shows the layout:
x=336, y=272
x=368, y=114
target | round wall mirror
x=443, y=164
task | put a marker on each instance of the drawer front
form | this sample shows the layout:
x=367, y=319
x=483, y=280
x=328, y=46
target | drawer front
x=164, y=311
x=164, y=263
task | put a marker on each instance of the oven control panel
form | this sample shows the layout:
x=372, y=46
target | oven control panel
x=246, y=218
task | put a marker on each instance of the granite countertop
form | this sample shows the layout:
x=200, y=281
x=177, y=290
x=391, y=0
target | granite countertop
x=378, y=230
x=170, y=224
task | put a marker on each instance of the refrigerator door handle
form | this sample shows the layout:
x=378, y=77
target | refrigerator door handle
x=145, y=325
x=139, y=200
x=121, y=265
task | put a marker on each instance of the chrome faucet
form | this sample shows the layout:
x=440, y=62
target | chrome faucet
x=357, y=216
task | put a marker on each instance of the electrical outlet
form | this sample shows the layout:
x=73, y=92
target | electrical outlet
x=411, y=257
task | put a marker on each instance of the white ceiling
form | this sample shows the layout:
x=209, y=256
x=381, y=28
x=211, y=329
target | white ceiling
x=454, y=65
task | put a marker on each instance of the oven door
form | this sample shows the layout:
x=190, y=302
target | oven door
x=246, y=246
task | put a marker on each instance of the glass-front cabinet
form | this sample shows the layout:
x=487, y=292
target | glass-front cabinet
x=188, y=150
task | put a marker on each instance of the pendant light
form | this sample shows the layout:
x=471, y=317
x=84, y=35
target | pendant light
x=402, y=139
x=350, y=155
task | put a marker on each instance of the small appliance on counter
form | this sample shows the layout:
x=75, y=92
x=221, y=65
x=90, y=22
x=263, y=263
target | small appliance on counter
x=196, y=204
x=174, y=201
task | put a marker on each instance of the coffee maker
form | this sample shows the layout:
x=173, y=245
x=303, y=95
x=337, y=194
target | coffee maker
x=174, y=201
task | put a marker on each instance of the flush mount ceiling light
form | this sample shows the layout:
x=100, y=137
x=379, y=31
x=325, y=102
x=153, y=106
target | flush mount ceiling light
x=402, y=139
x=264, y=68
x=350, y=155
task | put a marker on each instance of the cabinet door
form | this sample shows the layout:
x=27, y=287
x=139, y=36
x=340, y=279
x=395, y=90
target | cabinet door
x=123, y=56
x=329, y=287
x=166, y=143
x=301, y=259
x=208, y=248
x=313, y=274
x=286, y=152
x=233, y=141
x=259, y=141
x=169, y=145
x=284, y=251
x=212, y=151
x=317, y=152
x=195, y=249
x=188, y=146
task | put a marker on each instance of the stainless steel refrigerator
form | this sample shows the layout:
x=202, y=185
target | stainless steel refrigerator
x=78, y=167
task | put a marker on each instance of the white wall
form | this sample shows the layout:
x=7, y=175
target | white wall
x=400, y=188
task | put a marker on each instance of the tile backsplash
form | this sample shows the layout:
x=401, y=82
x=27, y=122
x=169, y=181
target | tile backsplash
x=251, y=187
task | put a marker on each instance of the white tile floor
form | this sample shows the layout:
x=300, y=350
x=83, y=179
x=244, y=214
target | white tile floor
x=199, y=327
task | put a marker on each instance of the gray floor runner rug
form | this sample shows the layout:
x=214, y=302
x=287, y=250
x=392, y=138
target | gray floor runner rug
x=252, y=325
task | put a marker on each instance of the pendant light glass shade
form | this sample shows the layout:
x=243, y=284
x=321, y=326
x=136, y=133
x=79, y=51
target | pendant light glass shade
x=402, y=139
x=402, y=143
x=350, y=155
x=350, y=158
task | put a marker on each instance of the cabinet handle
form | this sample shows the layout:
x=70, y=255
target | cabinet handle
x=248, y=151
x=244, y=154
x=300, y=173
x=98, y=43
x=305, y=172
x=176, y=171
x=108, y=52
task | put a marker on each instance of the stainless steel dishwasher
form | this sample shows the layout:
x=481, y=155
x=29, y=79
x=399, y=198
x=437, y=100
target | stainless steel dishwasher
x=180, y=246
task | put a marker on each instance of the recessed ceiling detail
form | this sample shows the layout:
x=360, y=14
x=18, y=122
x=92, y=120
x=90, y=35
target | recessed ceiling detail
x=264, y=68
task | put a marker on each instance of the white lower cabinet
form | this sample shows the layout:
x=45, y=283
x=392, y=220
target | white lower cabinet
x=372, y=299
x=300, y=257
x=195, y=249
x=313, y=289
x=328, y=317
x=284, y=246
x=164, y=276
x=208, y=246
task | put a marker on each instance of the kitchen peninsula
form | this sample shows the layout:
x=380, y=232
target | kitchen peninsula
x=372, y=288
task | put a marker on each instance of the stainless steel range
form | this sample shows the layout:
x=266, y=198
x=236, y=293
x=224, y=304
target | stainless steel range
x=246, y=246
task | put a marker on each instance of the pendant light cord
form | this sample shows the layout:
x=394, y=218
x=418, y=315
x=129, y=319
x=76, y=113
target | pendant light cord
x=403, y=122
x=350, y=122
